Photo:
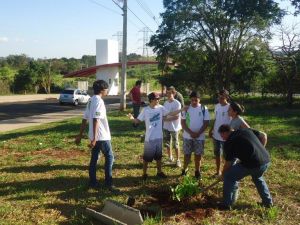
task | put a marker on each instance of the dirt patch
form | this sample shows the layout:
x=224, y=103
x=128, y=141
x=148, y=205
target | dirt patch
x=194, y=209
x=59, y=154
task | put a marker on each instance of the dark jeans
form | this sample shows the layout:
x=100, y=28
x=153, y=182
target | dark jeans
x=136, y=110
x=106, y=149
x=238, y=172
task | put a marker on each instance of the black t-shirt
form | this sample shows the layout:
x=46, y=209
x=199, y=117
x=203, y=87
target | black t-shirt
x=245, y=145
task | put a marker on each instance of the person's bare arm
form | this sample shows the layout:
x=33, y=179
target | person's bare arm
x=210, y=133
x=82, y=129
x=134, y=120
x=95, y=132
x=244, y=125
x=203, y=128
x=185, y=127
x=171, y=118
x=263, y=138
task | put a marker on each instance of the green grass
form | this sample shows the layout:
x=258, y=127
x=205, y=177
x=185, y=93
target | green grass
x=43, y=175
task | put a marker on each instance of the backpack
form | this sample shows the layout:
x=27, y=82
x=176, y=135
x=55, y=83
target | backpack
x=203, y=110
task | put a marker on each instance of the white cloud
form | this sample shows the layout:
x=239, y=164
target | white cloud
x=3, y=39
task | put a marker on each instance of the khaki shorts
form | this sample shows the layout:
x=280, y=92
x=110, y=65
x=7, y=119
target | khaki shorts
x=171, y=137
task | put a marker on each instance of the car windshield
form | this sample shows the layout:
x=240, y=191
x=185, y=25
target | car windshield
x=70, y=92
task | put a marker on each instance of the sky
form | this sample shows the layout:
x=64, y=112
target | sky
x=69, y=28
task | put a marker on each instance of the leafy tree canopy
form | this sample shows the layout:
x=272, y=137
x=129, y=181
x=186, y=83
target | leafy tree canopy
x=220, y=30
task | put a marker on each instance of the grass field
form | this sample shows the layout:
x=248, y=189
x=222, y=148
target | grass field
x=43, y=175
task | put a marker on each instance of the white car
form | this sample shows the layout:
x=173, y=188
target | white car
x=73, y=96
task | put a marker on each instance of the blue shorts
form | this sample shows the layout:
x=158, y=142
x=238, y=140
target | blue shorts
x=152, y=150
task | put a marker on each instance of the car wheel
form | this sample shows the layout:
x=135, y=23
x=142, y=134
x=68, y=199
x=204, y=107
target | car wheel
x=76, y=102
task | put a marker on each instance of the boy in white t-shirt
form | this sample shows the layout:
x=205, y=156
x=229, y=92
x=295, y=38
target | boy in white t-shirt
x=99, y=134
x=172, y=127
x=221, y=117
x=194, y=122
x=153, y=116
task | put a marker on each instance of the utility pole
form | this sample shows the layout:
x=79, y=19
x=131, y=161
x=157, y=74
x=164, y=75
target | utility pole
x=124, y=59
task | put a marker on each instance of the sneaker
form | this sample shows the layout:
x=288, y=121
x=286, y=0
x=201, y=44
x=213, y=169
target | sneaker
x=184, y=172
x=169, y=161
x=161, y=175
x=223, y=207
x=270, y=205
x=113, y=189
x=198, y=175
x=178, y=163
x=145, y=177
x=95, y=185
x=216, y=175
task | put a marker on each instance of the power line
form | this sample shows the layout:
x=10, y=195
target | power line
x=97, y=3
x=134, y=24
x=139, y=19
x=147, y=10
x=117, y=4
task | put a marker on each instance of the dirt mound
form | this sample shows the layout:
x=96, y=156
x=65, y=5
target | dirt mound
x=160, y=202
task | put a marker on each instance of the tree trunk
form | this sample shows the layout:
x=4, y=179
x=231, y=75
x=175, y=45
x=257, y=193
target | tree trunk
x=289, y=96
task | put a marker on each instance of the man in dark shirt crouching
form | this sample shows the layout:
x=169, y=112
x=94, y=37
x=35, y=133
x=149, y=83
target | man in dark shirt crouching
x=253, y=158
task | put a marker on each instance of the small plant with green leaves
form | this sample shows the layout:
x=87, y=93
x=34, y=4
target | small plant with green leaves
x=186, y=189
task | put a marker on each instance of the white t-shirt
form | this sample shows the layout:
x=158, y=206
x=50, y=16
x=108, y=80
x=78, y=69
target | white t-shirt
x=194, y=120
x=96, y=109
x=153, y=118
x=221, y=117
x=173, y=125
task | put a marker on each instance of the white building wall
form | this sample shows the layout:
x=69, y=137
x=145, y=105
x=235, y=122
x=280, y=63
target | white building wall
x=107, y=52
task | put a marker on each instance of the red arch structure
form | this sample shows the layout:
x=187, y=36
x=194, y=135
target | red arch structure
x=92, y=70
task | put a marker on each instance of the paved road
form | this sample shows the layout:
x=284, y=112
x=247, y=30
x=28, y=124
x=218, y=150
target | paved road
x=24, y=109
x=24, y=113
x=12, y=110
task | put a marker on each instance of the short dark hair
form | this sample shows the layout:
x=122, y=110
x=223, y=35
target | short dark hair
x=195, y=94
x=99, y=85
x=236, y=107
x=152, y=96
x=172, y=89
x=224, y=128
x=224, y=92
x=138, y=82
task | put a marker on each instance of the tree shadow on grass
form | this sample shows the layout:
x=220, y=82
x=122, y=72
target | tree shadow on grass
x=64, y=128
x=42, y=168
x=64, y=188
x=70, y=128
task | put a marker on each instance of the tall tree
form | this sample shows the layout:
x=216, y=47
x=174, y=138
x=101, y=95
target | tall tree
x=286, y=54
x=219, y=29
